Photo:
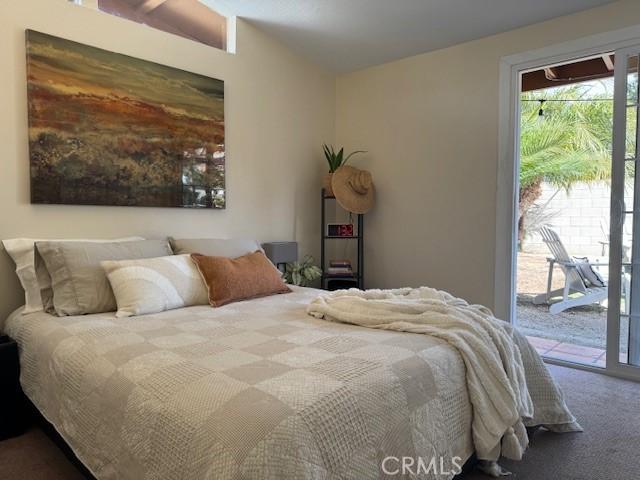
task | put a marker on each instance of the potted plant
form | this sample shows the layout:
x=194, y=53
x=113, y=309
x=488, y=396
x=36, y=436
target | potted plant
x=335, y=161
x=302, y=273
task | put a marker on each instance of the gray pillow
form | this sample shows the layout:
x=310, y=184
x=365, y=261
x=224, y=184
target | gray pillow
x=42, y=274
x=591, y=276
x=78, y=281
x=215, y=247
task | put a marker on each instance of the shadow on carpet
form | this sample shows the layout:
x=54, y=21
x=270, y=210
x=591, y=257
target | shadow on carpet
x=609, y=411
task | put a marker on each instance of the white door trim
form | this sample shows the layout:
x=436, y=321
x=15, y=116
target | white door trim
x=618, y=208
x=511, y=68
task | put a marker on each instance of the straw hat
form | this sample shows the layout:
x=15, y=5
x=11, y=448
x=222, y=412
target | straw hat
x=353, y=189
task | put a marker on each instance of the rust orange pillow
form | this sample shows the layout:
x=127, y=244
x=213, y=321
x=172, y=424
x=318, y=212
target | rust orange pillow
x=233, y=279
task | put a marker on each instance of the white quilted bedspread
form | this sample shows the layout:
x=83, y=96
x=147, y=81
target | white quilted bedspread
x=255, y=390
x=492, y=351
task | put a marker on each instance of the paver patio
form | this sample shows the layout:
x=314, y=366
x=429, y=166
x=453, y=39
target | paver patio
x=570, y=352
x=577, y=335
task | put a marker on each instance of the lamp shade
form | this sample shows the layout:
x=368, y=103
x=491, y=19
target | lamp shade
x=281, y=252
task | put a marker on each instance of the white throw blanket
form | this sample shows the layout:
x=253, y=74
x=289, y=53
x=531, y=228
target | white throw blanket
x=495, y=373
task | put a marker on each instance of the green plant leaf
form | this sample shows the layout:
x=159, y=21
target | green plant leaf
x=336, y=160
x=327, y=154
x=571, y=144
x=351, y=154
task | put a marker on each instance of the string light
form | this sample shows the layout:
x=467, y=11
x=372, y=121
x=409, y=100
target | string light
x=567, y=100
x=543, y=100
x=541, y=111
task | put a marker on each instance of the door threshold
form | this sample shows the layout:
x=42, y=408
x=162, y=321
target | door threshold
x=589, y=368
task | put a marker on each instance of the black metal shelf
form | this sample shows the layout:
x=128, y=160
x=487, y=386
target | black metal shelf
x=356, y=276
x=338, y=237
x=353, y=275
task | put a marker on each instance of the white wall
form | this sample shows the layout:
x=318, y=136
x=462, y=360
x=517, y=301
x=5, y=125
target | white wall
x=430, y=124
x=279, y=109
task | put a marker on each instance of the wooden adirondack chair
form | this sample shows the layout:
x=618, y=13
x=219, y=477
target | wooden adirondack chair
x=577, y=290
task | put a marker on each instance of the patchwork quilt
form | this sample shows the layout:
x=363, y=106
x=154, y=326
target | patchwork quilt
x=255, y=390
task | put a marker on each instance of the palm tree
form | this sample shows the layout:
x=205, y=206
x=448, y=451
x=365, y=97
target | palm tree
x=571, y=144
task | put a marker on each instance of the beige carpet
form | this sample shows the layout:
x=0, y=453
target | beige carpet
x=609, y=449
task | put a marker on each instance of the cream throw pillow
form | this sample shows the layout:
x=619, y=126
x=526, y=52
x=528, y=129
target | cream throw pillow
x=155, y=284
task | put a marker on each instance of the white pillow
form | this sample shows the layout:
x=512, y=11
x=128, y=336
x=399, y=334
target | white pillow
x=154, y=285
x=21, y=250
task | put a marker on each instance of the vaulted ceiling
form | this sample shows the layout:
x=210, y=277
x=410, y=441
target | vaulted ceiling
x=345, y=35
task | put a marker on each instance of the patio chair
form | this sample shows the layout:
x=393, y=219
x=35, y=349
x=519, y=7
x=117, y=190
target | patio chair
x=604, y=226
x=577, y=290
x=626, y=249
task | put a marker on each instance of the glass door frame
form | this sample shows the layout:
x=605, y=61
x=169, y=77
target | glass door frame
x=511, y=67
x=618, y=214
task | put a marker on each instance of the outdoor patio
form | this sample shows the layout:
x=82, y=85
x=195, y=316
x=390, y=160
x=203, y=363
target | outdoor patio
x=575, y=335
x=564, y=212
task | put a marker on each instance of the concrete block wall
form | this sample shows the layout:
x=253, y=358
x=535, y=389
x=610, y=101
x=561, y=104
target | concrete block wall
x=578, y=216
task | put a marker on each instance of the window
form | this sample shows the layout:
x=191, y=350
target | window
x=186, y=18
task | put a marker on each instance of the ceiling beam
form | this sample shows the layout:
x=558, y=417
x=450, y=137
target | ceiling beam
x=608, y=61
x=550, y=74
x=149, y=5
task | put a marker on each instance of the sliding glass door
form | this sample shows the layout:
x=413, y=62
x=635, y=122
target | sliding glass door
x=623, y=322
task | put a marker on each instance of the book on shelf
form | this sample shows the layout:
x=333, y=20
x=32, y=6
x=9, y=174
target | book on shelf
x=339, y=271
x=340, y=263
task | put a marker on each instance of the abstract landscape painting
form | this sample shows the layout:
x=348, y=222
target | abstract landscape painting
x=109, y=129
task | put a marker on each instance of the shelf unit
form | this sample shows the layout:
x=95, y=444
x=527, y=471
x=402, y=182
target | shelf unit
x=358, y=274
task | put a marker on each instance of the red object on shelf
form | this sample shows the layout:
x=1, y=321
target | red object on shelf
x=340, y=230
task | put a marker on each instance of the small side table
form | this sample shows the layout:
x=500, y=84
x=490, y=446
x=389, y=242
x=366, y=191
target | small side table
x=340, y=283
x=281, y=253
x=12, y=400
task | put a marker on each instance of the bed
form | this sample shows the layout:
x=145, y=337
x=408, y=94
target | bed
x=255, y=389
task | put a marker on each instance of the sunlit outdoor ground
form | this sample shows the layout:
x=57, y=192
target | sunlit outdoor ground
x=581, y=325
x=577, y=334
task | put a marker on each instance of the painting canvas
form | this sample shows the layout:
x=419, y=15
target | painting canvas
x=109, y=129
